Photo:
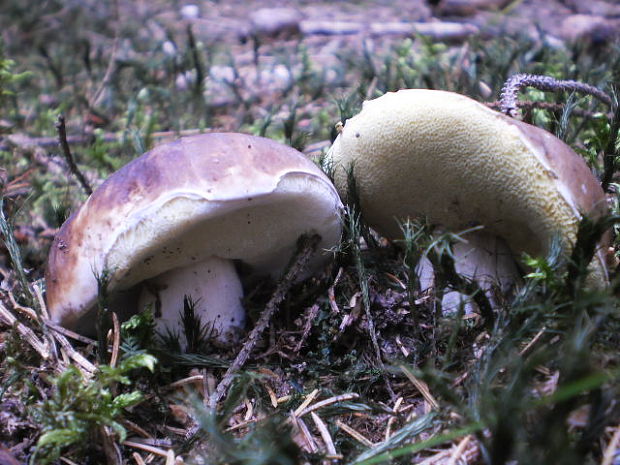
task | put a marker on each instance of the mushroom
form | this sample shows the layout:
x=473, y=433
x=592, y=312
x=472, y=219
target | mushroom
x=441, y=155
x=174, y=221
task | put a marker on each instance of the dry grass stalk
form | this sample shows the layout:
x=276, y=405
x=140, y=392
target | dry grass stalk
x=422, y=387
x=116, y=340
x=323, y=403
x=272, y=396
x=182, y=382
x=392, y=419
x=307, y=441
x=533, y=342
x=331, y=294
x=66, y=150
x=25, y=332
x=170, y=459
x=327, y=439
x=146, y=448
x=29, y=312
x=359, y=437
x=67, y=461
x=87, y=369
x=436, y=458
x=307, y=401
x=249, y=410
x=241, y=424
x=70, y=334
x=130, y=425
x=611, y=451
x=458, y=452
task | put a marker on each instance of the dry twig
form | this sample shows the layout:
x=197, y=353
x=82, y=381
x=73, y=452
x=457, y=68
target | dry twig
x=66, y=150
x=311, y=314
x=306, y=248
x=28, y=334
x=508, y=99
x=68, y=333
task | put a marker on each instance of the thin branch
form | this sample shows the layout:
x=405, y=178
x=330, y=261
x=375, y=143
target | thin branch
x=306, y=248
x=64, y=145
x=516, y=82
x=25, y=332
x=86, y=368
x=549, y=106
x=69, y=333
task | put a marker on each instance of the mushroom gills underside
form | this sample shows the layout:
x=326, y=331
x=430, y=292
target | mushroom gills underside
x=261, y=231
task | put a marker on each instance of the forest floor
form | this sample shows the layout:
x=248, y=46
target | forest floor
x=361, y=366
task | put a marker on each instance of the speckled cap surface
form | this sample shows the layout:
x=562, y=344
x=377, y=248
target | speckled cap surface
x=442, y=155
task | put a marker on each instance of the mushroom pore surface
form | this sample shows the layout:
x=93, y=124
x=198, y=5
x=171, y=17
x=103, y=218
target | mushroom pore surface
x=183, y=204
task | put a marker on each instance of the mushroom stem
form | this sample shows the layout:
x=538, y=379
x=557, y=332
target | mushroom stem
x=212, y=284
x=484, y=258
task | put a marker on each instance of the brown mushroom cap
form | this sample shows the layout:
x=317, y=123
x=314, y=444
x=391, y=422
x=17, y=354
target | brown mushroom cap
x=442, y=155
x=230, y=196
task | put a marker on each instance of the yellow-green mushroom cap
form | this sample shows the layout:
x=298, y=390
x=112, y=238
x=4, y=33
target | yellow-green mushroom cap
x=441, y=155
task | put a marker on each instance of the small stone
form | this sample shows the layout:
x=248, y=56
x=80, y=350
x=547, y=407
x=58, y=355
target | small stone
x=594, y=7
x=594, y=29
x=275, y=22
x=190, y=11
x=468, y=7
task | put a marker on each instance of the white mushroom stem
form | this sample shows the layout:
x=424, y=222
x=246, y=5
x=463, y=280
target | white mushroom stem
x=215, y=288
x=484, y=258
